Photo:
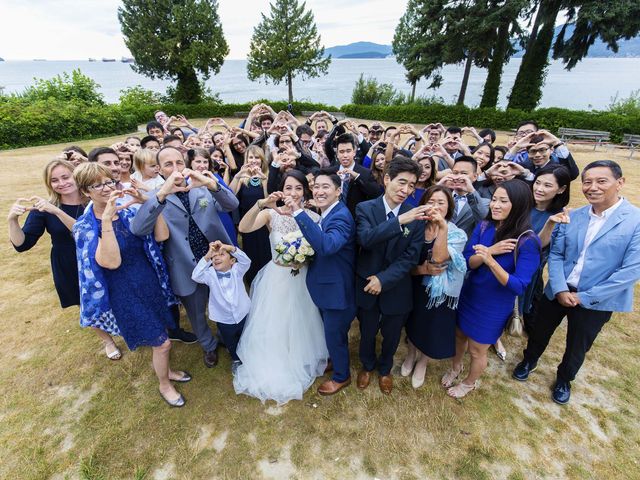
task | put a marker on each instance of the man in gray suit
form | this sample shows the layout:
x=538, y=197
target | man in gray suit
x=189, y=202
x=470, y=206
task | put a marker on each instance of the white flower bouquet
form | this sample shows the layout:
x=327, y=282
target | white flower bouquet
x=293, y=250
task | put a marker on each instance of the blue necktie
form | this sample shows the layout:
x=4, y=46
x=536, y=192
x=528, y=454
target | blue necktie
x=390, y=215
x=223, y=274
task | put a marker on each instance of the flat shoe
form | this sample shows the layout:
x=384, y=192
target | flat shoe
x=114, y=354
x=186, y=377
x=177, y=403
x=462, y=389
x=450, y=377
x=407, y=368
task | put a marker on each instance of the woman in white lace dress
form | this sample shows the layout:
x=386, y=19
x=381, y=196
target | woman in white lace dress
x=282, y=348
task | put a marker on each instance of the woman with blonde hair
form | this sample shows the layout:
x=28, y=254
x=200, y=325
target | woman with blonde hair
x=250, y=185
x=56, y=216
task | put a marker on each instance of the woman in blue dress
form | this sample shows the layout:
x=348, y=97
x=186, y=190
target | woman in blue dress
x=551, y=195
x=495, y=279
x=124, y=286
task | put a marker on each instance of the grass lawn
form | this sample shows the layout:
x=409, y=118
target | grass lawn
x=68, y=412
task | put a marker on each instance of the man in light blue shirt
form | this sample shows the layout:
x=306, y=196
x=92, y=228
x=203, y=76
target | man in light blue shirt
x=594, y=264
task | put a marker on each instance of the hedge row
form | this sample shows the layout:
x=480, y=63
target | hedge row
x=209, y=110
x=548, y=118
x=49, y=121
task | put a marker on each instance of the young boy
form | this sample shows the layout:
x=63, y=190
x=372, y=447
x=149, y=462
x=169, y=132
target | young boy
x=222, y=269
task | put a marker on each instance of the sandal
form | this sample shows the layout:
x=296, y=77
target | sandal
x=115, y=354
x=461, y=389
x=450, y=377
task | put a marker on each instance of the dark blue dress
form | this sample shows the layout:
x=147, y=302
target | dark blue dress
x=415, y=197
x=485, y=305
x=431, y=330
x=64, y=266
x=255, y=244
x=138, y=305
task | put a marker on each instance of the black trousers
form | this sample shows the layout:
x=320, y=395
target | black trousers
x=583, y=326
x=230, y=334
x=372, y=321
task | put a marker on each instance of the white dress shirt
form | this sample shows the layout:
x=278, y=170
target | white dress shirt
x=228, y=299
x=388, y=209
x=596, y=222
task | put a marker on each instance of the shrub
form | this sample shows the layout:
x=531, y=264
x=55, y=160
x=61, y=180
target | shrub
x=626, y=106
x=139, y=96
x=69, y=88
x=548, y=118
x=370, y=92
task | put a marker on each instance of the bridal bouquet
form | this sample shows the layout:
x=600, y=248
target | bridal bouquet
x=294, y=251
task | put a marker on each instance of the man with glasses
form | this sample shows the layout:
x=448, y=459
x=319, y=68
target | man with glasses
x=542, y=148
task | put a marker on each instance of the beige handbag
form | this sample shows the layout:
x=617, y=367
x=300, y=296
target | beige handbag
x=515, y=324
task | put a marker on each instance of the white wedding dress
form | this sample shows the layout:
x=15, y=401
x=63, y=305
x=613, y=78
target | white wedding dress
x=282, y=347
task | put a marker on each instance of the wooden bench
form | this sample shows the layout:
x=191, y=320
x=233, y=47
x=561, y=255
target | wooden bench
x=338, y=115
x=631, y=141
x=595, y=136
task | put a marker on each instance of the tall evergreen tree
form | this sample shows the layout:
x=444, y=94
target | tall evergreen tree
x=506, y=30
x=609, y=21
x=419, y=41
x=286, y=44
x=174, y=39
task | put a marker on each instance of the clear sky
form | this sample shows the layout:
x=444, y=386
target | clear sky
x=79, y=29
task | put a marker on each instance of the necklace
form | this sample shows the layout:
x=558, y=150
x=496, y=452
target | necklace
x=255, y=181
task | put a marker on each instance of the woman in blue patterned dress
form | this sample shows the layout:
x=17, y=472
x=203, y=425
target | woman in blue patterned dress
x=495, y=278
x=124, y=286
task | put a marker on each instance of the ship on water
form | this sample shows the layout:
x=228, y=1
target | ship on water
x=108, y=59
x=92, y=59
x=127, y=60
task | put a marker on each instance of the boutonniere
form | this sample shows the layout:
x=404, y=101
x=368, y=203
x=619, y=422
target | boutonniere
x=203, y=202
x=406, y=232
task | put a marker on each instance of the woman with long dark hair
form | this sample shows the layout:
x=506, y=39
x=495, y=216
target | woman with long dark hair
x=282, y=348
x=502, y=255
x=427, y=179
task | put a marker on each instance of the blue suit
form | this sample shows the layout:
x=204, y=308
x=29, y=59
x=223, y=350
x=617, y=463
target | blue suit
x=331, y=280
x=610, y=270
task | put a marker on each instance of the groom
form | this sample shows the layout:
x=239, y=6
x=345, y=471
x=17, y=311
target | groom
x=331, y=275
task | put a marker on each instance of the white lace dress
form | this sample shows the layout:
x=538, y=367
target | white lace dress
x=282, y=347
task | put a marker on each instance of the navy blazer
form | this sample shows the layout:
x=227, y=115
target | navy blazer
x=389, y=251
x=330, y=278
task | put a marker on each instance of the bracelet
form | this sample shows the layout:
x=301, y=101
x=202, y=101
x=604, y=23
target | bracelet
x=260, y=205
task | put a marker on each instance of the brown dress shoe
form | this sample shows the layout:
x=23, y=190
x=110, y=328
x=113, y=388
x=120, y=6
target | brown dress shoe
x=386, y=384
x=364, y=378
x=210, y=358
x=330, y=386
x=329, y=366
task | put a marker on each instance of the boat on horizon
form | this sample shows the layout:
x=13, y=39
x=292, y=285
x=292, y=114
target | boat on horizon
x=127, y=60
x=92, y=59
x=39, y=59
x=108, y=59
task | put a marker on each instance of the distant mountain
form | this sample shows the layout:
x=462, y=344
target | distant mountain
x=628, y=48
x=359, y=50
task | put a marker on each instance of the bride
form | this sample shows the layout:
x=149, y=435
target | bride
x=282, y=348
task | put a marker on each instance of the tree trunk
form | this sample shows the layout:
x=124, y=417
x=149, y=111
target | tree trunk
x=527, y=89
x=188, y=87
x=465, y=79
x=413, y=92
x=290, y=85
x=494, y=75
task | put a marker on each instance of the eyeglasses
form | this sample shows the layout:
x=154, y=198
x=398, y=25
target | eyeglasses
x=522, y=133
x=535, y=151
x=100, y=186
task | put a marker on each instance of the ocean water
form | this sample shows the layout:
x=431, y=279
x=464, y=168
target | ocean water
x=590, y=85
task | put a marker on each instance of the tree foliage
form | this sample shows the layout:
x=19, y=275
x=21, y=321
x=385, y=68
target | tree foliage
x=286, y=44
x=175, y=39
x=76, y=87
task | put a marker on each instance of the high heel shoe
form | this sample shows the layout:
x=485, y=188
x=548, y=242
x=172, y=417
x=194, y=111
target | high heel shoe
x=501, y=354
